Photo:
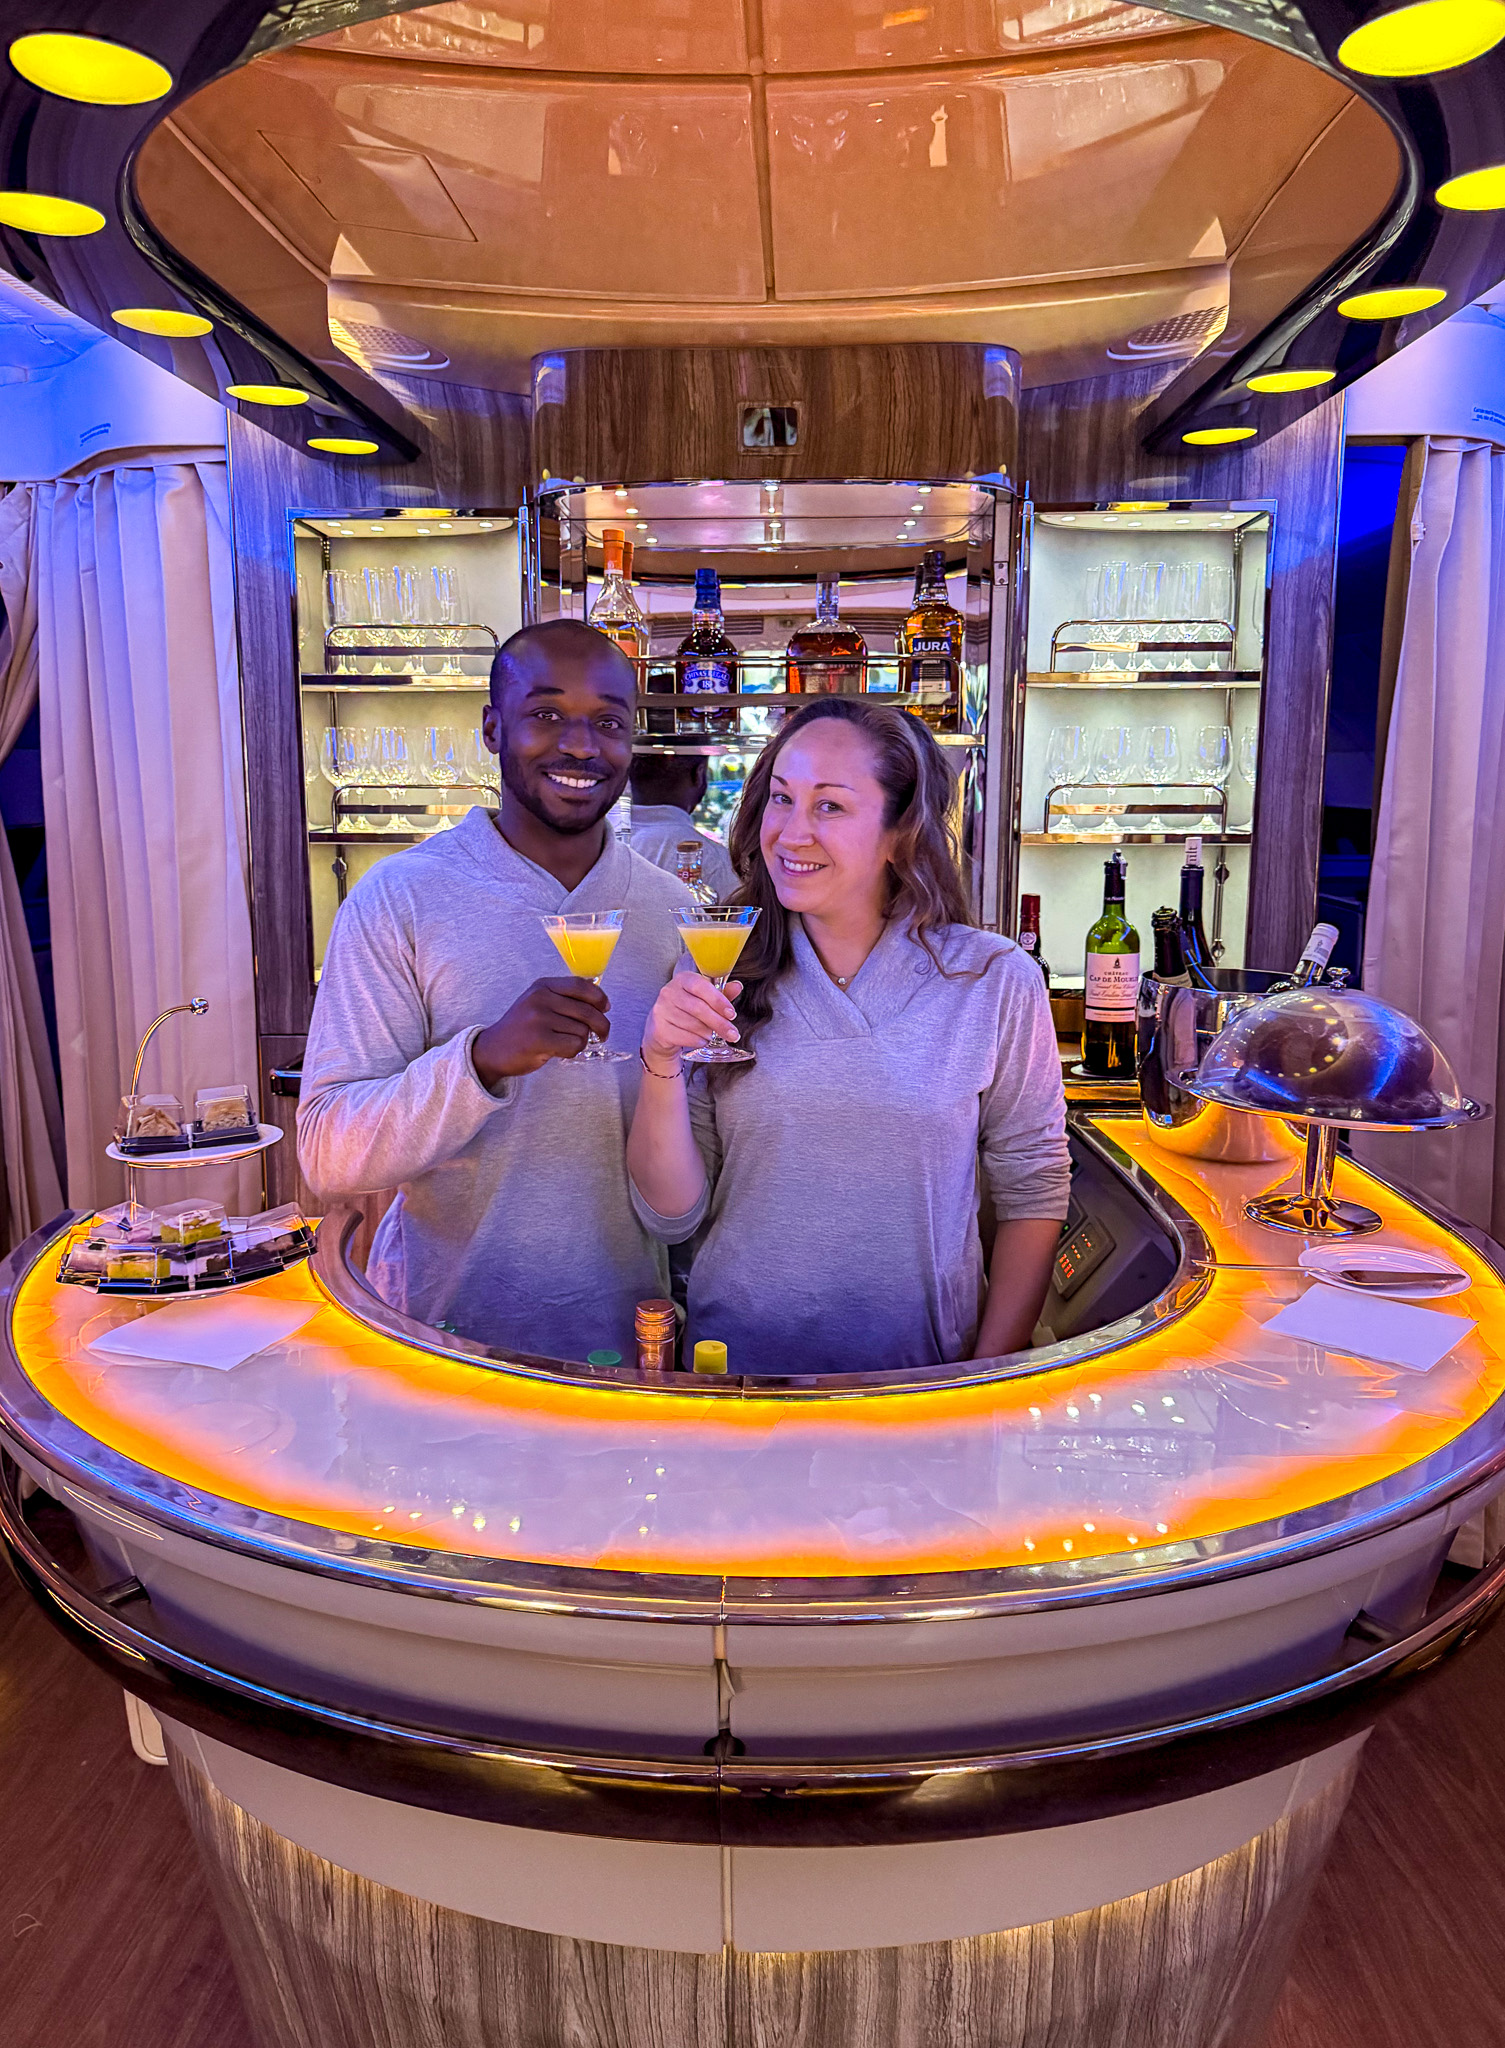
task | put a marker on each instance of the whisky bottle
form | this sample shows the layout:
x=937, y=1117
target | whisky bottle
x=706, y=663
x=826, y=658
x=1112, y=983
x=616, y=612
x=689, y=868
x=930, y=647
x=1029, y=933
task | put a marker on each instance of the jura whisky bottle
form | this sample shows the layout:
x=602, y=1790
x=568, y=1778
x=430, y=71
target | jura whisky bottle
x=616, y=612
x=1112, y=983
x=706, y=664
x=826, y=658
x=930, y=647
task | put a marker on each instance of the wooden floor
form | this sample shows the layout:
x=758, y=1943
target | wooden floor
x=108, y=1939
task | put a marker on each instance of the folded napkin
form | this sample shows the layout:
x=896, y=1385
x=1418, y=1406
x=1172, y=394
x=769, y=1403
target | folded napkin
x=219, y=1333
x=1378, y=1327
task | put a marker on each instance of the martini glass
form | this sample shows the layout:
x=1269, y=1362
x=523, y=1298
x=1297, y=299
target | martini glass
x=585, y=941
x=714, y=935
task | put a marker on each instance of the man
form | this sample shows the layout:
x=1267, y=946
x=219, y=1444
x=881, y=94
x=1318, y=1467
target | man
x=440, y=1056
x=666, y=788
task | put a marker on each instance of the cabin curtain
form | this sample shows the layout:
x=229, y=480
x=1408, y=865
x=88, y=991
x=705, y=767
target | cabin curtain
x=144, y=798
x=31, y=1117
x=1435, y=939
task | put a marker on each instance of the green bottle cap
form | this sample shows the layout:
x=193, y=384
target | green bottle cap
x=603, y=1358
x=710, y=1355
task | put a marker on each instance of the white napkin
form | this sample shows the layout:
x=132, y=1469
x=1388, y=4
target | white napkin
x=221, y=1334
x=1393, y=1332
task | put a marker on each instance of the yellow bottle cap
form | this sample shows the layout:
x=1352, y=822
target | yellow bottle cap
x=710, y=1356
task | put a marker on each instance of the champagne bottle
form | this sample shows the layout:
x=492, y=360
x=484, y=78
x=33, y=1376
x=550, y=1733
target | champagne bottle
x=1112, y=983
x=1029, y=933
x=1195, y=949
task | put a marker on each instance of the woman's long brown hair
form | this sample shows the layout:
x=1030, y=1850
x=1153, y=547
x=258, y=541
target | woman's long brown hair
x=924, y=873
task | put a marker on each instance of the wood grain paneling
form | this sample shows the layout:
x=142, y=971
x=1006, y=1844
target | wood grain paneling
x=917, y=409
x=330, y=1960
x=1082, y=442
x=477, y=445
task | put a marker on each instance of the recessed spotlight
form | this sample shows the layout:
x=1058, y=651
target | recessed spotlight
x=1436, y=35
x=923, y=489
x=1068, y=518
x=486, y=525
x=1481, y=191
x=1217, y=437
x=642, y=526
x=376, y=529
x=423, y=529
x=1136, y=522
x=621, y=494
x=333, y=444
x=37, y=213
x=87, y=68
x=651, y=541
x=1292, y=380
x=161, y=320
x=1110, y=519
x=1393, y=304
x=1183, y=522
x=908, y=523
x=267, y=394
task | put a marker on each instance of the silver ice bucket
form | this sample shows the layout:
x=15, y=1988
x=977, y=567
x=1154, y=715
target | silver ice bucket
x=1175, y=1027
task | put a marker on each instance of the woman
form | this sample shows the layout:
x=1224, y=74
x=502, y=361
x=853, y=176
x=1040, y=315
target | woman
x=899, y=1050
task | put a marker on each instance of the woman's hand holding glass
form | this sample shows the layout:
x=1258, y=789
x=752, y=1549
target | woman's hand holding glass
x=690, y=1010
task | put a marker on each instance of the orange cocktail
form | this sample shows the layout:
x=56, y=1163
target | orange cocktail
x=714, y=935
x=585, y=941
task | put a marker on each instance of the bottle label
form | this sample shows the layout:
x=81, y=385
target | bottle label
x=713, y=676
x=1112, y=987
x=1029, y=942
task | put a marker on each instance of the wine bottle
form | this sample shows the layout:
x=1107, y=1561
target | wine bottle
x=1312, y=965
x=1170, y=957
x=1194, y=947
x=1112, y=983
x=1029, y=933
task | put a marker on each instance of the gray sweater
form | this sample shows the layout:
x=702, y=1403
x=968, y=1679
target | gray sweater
x=844, y=1166
x=513, y=1222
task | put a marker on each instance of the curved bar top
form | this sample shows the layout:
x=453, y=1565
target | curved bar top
x=1197, y=1443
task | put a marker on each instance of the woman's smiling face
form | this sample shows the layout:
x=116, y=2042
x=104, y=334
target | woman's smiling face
x=823, y=837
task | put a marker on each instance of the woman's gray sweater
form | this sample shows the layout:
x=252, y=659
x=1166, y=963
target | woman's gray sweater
x=844, y=1166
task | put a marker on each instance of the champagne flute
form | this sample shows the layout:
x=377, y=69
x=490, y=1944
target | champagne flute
x=714, y=935
x=1248, y=764
x=585, y=941
x=1110, y=761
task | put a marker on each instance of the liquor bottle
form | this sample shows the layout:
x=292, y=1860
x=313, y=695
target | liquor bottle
x=1029, y=933
x=930, y=647
x=1167, y=1018
x=707, y=659
x=1194, y=946
x=826, y=658
x=689, y=867
x=1310, y=968
x=616, y=612
x=619, y=818
x=1112, y=983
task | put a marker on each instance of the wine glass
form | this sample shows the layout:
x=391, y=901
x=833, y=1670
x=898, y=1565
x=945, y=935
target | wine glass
x=714, y=935
x=344, y=604
x=392, y=768
x=443, y=763
x=1065, y=755
x=1214, y=760
x=1110, y=760
x=585, y=941
x=1248, y=764
x=444, y=581
x=342, y=762
x=482, y=769
x=1161, y=761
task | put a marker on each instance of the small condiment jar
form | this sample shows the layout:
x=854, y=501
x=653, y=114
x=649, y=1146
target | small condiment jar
x=710, y=1355
x=655, y=1329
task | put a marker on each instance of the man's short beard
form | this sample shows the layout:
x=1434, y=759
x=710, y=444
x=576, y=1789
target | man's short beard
x=570, y=829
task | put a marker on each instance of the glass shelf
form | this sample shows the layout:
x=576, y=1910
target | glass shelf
x=1141, y=679
x=1109, y=840
x=364, y=685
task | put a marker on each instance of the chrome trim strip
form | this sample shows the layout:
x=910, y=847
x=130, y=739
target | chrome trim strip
x=729, y=1799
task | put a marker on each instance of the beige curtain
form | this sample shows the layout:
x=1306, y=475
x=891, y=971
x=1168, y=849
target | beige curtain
x=1435, y=939
x=31, y=1118
x=145, y=803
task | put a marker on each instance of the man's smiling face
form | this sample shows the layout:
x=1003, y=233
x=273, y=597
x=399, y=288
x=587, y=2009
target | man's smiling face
x=561, y=721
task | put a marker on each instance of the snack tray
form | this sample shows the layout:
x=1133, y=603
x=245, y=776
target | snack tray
x=261, y=1263
x=208, y=1154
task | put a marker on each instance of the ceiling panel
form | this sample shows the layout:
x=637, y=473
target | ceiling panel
x=842, y=35
x=663, y=36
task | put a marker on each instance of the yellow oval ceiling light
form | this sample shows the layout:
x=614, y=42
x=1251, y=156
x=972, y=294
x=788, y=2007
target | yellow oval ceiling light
x=332, y=444
x=1393, y=304
x=1290, y=380
x=160, y=320
x=1481, y=191
x=1437, y=35
x=267, y=394
x=87, y=68
x=36, y=213
x=1217, y=437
